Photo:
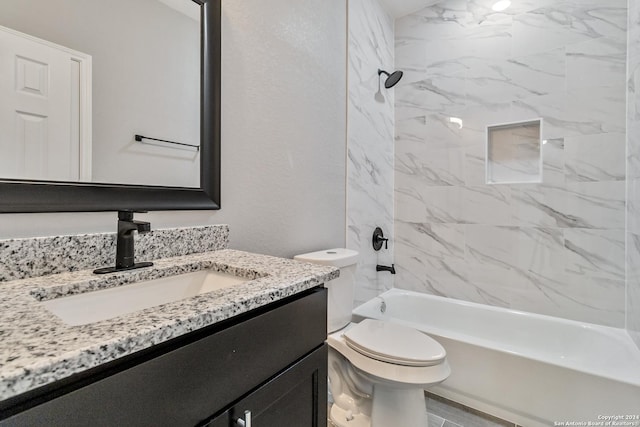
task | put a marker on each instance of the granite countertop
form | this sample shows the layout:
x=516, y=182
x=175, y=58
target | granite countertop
x=37, y=348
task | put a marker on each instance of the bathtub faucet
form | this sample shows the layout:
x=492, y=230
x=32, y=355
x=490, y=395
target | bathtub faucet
x=391, y=269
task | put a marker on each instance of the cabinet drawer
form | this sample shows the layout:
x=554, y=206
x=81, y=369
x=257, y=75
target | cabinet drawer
x=182, y=386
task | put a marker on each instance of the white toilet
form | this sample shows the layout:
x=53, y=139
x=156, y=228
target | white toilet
x=377, y=370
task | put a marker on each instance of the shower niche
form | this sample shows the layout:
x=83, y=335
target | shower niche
x=514, y=152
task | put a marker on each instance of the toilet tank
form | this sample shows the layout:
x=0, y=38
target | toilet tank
x=340, y=290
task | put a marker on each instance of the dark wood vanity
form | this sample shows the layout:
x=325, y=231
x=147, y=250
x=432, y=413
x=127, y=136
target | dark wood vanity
x=271, y=361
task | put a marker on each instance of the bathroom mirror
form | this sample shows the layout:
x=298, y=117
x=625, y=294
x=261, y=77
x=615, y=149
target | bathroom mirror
x=153, y=69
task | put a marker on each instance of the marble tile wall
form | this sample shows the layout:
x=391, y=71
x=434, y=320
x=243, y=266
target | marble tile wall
x=556, y=247
x=633, y=174
x=370, y=131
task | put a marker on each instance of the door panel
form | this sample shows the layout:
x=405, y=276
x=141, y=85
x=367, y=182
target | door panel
x=39, y=112
x=30, y=145
x=32, y=77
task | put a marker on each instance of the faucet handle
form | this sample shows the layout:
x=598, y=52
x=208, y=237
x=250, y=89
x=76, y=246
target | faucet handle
x=378, y=239
x=142, y=226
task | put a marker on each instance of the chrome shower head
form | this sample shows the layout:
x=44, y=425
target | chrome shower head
x=392, y=79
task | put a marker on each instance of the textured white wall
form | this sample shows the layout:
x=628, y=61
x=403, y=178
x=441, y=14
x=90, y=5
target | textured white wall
x=283, y=134
x=284, y=124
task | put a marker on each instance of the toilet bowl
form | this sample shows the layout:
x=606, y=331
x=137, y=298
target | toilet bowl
x=378, y=371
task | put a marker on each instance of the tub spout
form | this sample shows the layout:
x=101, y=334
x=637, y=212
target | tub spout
x=391, y=269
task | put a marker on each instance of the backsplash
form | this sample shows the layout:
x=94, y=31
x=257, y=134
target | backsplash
x=32, y=257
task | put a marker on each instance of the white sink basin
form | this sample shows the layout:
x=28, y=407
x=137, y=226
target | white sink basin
x=94, y=306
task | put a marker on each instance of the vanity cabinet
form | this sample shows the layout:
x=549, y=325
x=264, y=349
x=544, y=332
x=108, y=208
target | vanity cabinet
x=271, y=361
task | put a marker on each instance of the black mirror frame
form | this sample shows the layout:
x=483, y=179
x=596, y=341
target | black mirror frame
x=27, y=196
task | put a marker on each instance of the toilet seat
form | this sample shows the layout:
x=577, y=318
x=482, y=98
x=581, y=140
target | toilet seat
x=390, y=373
x=393, y=343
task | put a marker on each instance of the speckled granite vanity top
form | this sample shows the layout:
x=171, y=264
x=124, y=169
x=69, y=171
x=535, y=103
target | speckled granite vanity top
x=37, y=348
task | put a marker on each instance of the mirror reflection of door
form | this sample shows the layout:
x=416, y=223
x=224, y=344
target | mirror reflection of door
x=45, y=115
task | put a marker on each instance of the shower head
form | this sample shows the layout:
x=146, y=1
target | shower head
x=392, y=79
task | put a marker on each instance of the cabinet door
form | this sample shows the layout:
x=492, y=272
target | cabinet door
x=296, y=397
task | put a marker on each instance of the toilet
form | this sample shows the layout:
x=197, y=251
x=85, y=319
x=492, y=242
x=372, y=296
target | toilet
x=378, y=370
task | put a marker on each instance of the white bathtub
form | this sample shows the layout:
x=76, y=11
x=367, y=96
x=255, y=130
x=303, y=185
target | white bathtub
x=529, y=369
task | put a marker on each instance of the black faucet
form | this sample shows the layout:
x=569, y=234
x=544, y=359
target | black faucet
x=391, y=269
x=125, y=250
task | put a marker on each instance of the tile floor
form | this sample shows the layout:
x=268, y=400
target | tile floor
x=446, y=413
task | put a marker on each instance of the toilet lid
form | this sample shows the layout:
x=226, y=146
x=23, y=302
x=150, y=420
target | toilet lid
x=393, y=343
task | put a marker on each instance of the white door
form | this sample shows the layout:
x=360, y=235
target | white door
x=43, y=110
